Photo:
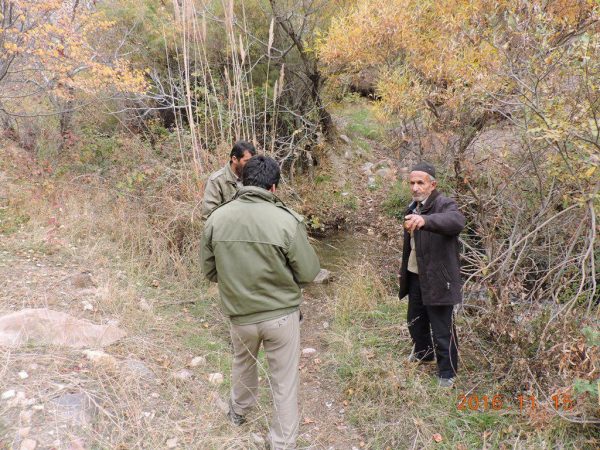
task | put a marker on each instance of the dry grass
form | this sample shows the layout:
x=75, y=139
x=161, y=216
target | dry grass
x=136, y=248
x=398, y=404
x=362, y=291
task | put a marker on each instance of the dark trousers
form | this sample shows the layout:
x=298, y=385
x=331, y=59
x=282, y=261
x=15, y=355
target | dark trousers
x=425, y=321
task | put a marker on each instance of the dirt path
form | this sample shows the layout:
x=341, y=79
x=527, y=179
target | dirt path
x=371, y=236
x=324, y=422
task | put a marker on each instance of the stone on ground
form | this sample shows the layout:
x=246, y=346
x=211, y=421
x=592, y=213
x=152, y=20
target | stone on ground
x=138, y=368
x=75, y=408
x=324, y=276
x=198, y=361
x=28, y=444
x=47, y=327
x=215, y=378
x=308, y=351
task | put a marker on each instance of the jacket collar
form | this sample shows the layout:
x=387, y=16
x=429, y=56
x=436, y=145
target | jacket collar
x=231, y=177
x=253, y=193
x=428, y=204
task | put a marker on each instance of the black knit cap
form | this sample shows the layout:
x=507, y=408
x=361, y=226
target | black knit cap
x=424, y=167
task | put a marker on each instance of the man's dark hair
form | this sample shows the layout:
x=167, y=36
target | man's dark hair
x=240, y=147
x=261, y=171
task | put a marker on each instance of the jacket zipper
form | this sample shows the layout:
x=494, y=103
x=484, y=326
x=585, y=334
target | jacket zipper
x=446, y=276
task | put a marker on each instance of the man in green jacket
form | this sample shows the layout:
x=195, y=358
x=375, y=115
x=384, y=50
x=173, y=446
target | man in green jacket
x=225, y=182
x=258, y=252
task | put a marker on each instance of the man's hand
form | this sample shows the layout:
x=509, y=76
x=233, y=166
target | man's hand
x=413, y=222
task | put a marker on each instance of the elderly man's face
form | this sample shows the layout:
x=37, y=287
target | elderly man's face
x=421, y=185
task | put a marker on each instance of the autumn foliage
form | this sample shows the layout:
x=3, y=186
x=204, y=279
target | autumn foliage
x=455, y=72
x=58, y=47
x=504, y=97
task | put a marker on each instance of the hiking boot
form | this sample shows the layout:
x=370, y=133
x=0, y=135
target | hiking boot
x=445, y=382
x=235, y=419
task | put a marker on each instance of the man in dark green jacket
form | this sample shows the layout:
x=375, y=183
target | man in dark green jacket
x=223, y=184
x=258, y=252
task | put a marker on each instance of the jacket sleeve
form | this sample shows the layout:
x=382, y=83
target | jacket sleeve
x=212, y=197
x=449, y=222
x=302, y=258
x=207, y=256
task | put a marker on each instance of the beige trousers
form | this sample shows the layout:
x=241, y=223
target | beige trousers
x=281, y=340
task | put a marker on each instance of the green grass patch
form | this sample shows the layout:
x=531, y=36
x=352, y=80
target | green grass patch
x=397, y=200
x=347, y=199
x=320, y=179
x=11, y=221
x=361, y=122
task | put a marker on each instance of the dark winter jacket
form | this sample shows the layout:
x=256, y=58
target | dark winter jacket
x=437, y=252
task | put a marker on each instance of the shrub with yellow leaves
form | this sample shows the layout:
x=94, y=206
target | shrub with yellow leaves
x=58, y=48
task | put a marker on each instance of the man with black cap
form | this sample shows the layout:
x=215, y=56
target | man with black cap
x=430, y=272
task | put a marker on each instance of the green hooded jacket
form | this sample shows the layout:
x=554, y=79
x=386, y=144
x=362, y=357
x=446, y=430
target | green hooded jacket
x=258, y=252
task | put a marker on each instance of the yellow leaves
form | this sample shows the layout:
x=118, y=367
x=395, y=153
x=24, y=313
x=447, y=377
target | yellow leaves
x=445, y=42
x=401, y=92
x=66, y=48
x=369, y=34
x=11, y=48
x=590, y=171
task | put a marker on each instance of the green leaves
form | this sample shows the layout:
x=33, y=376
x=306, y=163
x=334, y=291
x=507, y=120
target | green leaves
x=592, y=336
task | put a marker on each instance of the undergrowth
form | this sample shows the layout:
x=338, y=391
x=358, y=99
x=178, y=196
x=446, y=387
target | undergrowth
x=398, y=404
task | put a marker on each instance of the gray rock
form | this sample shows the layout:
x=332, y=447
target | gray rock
x=48, y=327
x=82, y=280
x=324, y=276
x=182, y=374
x=138, y=368
x=348, y=154
x=367, y=167
x=216, y=378
x=198, y=361
x=345, y=139
x=28, y=444
x=77, y=409
x=384, y=172
x=7, y=395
